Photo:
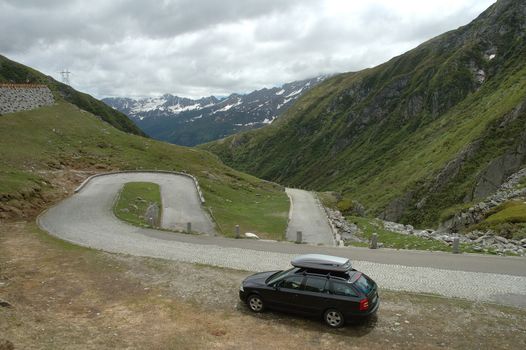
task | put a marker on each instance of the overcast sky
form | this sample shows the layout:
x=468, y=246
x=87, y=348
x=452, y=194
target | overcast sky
x=197, y=48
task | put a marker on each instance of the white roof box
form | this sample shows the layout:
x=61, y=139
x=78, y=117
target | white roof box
x=322, y=262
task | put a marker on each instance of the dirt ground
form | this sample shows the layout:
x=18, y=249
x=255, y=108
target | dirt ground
x=54, y=295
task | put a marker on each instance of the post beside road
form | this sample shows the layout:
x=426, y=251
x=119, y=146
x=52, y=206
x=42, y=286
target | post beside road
x=374, y=241
x=299, y=237
x=455, y=247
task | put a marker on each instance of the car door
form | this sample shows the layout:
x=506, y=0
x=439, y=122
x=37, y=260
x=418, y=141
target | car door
x=287, y=296
x=343, y=297
x=313, y=296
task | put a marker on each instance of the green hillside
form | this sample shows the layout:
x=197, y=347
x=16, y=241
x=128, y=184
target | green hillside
x=437, y=127
x=50, y=143
x=13, y=72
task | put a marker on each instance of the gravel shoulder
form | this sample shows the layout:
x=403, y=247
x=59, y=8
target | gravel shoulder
x=86, y=219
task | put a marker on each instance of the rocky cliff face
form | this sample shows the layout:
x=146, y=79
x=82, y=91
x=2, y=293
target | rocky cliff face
x=438, y=126
x=476, y=213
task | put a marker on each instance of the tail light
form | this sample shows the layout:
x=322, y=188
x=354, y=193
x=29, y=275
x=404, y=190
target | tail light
x=364, y=304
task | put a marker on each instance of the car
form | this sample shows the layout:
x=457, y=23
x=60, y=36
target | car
x=320, y=285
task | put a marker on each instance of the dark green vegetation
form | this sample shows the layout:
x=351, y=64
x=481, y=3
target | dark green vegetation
x=134, y=200
x=40, y=145
x=508, y=220
x=13, y=72
x=439, y=126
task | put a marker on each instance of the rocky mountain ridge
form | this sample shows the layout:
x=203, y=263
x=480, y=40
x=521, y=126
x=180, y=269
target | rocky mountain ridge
x=189, y=122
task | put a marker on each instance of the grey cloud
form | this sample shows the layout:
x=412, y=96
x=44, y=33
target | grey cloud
x=196, y=48
x=25, y=23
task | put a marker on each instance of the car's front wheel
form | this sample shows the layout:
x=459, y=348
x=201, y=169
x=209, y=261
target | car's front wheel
x=333, y=318
x=255, y=303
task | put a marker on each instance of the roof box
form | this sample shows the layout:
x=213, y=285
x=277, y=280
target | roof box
x=322, y=262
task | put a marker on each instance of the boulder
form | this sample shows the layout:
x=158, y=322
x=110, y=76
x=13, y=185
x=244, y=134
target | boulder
x=251, y=235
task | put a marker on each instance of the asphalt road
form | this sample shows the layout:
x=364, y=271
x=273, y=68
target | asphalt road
x=307, y=216
x=87, y=219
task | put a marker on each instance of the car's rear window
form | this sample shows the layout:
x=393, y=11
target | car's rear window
x=364, y=284
x=343, y=289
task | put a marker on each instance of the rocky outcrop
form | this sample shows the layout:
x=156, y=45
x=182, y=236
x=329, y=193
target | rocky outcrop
x=346, y=230
x=475, y=214
x=396, y=208
x=497, y=171
x=479, y=241
x=22, y=97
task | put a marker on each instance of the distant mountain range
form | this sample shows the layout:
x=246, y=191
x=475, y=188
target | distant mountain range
x=190, y=122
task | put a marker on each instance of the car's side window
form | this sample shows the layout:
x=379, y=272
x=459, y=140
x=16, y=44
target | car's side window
x=343, y=289
x=316, y=284
x=293, y=282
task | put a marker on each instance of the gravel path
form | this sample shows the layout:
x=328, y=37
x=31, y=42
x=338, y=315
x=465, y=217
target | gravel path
x=86, y=219
x=307, y=216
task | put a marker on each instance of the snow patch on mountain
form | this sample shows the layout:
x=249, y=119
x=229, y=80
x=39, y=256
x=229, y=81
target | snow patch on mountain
x=178, y=108
x=293, y=93
x=191, y=121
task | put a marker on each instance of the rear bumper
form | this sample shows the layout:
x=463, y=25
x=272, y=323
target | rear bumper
x=366, y=313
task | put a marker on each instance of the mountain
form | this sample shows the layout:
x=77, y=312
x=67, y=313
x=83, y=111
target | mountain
x=190, y=122
x=413, y=139
x=14, y=72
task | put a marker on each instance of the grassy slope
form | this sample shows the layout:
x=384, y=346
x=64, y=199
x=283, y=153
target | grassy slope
x=62, y=136
x=13, y=72
x=328, y=141
x=134, y=199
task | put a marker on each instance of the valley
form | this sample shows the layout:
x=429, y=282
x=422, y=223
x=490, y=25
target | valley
x=133, y=223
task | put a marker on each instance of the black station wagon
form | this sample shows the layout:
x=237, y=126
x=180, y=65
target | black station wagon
x=318, y=284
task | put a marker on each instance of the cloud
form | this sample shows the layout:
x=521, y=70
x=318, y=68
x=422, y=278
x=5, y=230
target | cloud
x=197, y=48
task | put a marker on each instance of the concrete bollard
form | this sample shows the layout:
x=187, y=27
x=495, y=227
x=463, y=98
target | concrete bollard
x=299, y=237
x=237, y=232
x=374, y=241
x=456, y=245
x=189, y=227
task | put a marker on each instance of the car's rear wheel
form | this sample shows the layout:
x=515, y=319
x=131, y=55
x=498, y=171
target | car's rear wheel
x=333, y=318
x=255, y=303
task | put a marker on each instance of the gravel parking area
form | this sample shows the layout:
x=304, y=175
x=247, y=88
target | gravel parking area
x=63, y=296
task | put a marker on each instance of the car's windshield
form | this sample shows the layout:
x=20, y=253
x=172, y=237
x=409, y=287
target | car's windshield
x=279, y=275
